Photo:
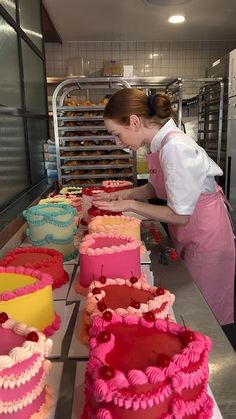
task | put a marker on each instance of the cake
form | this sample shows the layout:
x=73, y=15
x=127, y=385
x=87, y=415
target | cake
x=95, y=212
x=116, y=185
x=52, y=226
x=124, y=296
x=140, y=368
x=74, y=200
x=26, y=295
x=72, y=190
x=87, y=197
x=49, y=261
x=107, y=255
x=23, y=371
x=118, y=224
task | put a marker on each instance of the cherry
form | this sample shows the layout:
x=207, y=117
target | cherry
x=133, y=279
x=104, y=336
x=135, y=304
x=3, y=317
x=33, y=336
x=149, y=316
x=107, y=315
x=162, y=360
x=101, y=306
x=102, y=279
x=160, y=291
x=187, y=336
x=106, y=372
x=96, y=291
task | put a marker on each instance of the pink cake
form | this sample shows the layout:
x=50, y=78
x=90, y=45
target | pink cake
x=87, y=197
x=23, y=371
x=107, y=255
x=140, y=368
x=46, y=260
x=116, y=185
x=124, y=296
x=117, y=224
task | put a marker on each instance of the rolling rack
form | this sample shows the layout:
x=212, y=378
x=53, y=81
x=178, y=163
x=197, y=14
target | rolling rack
x=86, y=153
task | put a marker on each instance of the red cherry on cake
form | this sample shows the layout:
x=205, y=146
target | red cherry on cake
x=96, y=291
x=187, y=336
x=106, y=372
x=101, y=306
x=32, y=336
x=107, y=315
x=149, y=316
x=133, y=279
x=3, y=317
x=102, y=279
x=160, y=291
x=104, y=336
x=135, y=304
x=162, y=360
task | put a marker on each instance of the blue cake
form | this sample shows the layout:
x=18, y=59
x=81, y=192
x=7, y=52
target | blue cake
x=52, y=226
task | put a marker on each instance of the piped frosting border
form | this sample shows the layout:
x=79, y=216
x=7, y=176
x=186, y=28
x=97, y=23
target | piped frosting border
x=90, y=239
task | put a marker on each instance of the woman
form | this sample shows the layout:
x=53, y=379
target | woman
x=184, y=175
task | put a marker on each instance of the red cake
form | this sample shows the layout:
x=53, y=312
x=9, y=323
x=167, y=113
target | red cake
x=46, y=260
x=109, y=255
x=116, y=185
x=123, y=296
x=140, y=368
x=87, y=197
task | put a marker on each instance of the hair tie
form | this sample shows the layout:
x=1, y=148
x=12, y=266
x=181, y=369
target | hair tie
x=151, y=105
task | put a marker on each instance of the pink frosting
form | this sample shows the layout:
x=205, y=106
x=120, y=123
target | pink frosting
x=43, y=281
x=174, y=378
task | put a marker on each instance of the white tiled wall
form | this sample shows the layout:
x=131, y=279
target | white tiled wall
x=182, y=58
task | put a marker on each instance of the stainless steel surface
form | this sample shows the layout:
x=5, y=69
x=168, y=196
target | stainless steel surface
x=192, y=307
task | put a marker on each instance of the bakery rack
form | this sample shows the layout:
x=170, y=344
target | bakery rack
x=86, y=153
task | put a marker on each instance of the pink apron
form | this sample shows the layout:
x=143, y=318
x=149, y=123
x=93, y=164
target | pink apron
x=206, y=243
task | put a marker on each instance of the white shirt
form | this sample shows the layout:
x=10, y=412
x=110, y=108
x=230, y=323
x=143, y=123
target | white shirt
x=188, y=170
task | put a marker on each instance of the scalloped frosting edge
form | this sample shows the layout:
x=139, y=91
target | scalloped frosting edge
x=90, y=239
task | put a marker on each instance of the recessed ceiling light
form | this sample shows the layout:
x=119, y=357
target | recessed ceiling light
x=176, y=19
x=166, y=2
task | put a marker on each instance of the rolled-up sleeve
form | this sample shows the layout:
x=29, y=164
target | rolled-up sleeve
x=184, y=174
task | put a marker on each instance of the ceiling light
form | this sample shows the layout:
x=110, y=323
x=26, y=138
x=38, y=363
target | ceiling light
x=166, y=2
x=176, y=19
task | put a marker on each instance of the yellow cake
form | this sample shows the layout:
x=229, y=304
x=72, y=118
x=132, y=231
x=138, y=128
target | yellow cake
x=116, y=224
x=26, y=295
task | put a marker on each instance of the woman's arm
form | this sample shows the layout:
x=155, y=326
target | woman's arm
x=152, y=212
x=141, y=192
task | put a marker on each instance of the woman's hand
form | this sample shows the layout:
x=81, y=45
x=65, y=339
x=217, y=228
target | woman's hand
x=110, y=196
x=115, y=206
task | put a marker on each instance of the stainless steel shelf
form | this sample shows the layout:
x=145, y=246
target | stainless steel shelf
x=92, y=148
x=83, y=128
x=80, y=108
x=80, y=118
x=100, y=157
x=87, y=137
x=99, y=176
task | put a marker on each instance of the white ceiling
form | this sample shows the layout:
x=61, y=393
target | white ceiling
x=117, y=20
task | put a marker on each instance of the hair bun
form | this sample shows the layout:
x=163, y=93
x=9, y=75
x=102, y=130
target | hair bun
x=163, y=105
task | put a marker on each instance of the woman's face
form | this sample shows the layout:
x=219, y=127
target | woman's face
x=130, y=136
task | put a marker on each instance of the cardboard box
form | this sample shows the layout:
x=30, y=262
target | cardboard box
x=113, y=68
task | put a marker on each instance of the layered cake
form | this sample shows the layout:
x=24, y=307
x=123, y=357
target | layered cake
x=26, y=295
x=118, y=224
x=146, y=368
x=49, y=261
x=116, y=185
x=74, y=200
x=87, y=198
x=107, y=255
x=52, y=226
x=71, y=190
x=23, y=371
x=124, y=296
x=95, y=212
